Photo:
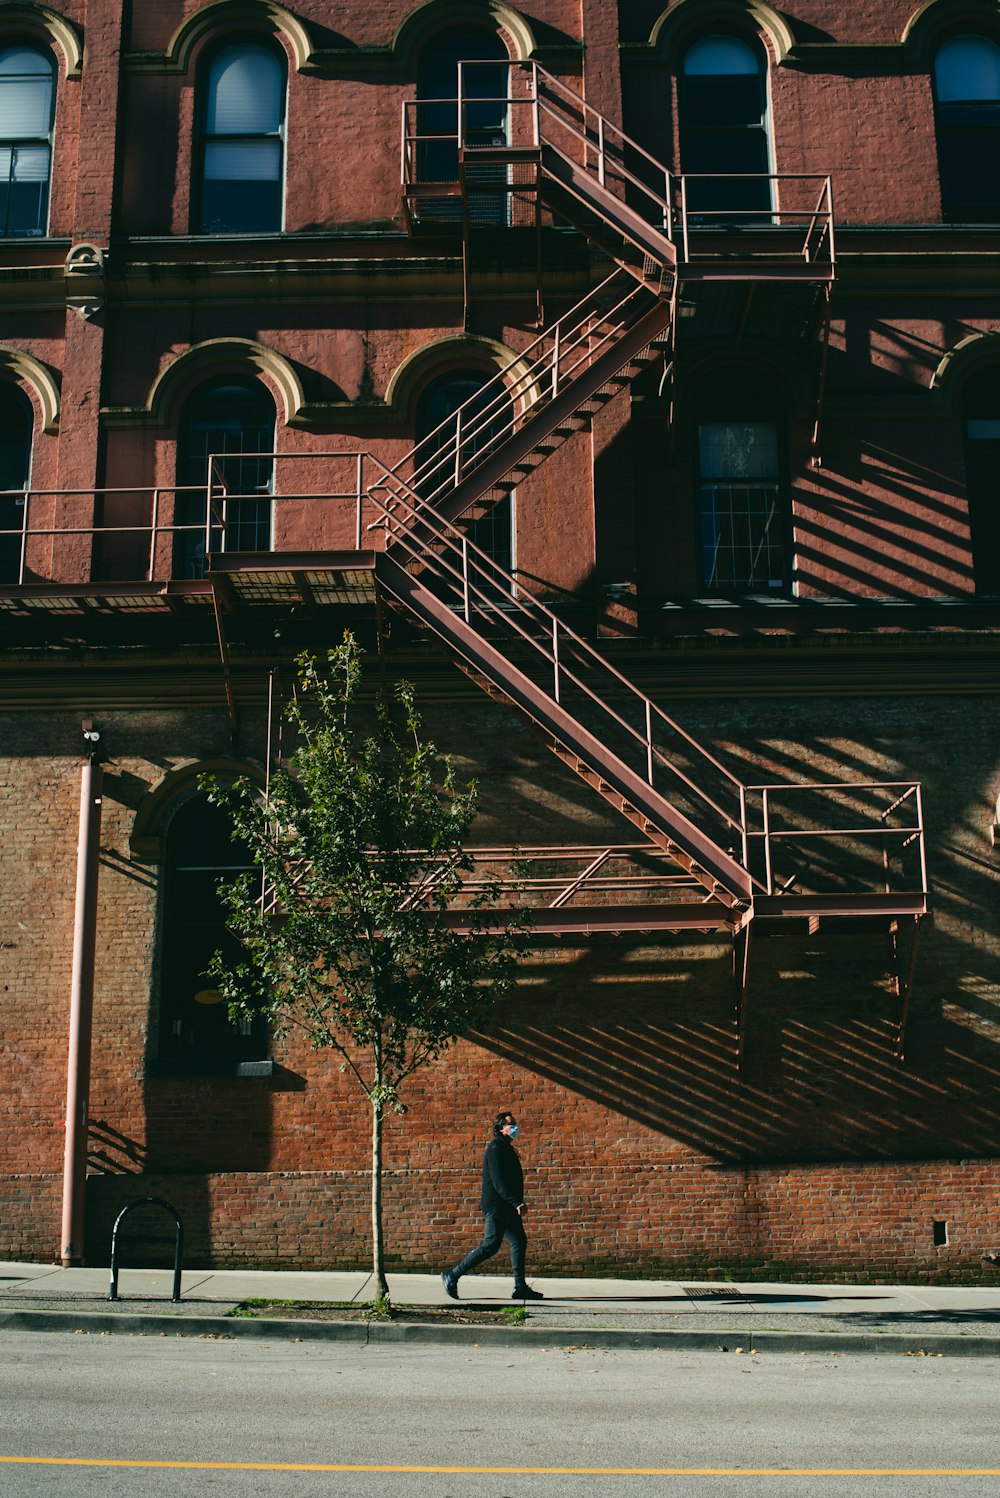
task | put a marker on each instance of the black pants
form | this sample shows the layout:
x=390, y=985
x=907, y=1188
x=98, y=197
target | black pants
x=498, y=1225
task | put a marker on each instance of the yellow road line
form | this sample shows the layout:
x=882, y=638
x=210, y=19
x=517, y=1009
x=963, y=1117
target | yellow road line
x=86, y=1461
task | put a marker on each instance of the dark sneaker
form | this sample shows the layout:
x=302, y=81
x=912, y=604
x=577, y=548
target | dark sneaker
x=525, y=1292
x=993, y=1257
x=450, y=1284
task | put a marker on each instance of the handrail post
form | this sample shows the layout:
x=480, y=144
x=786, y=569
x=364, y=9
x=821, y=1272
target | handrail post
x=684, y=219
x=153, y=533
x=744, y=828
x=360, y=485
x=601, y=176
x=555, y=361
x=768, y=879
x=649, y=741
x=555, y=658
x=465, y=580
x=536, y=111
x=458, y=447
x=23, y=566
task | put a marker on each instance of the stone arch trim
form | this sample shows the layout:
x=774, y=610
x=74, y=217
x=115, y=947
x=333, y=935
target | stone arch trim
x=223, y=356
x=461, y=349
x=928, y=24
x=227, y=15
x=172, y=790
x=64, y=34
x=678, y=21
x=43, y=383
x=419, y=24
x=970, y=355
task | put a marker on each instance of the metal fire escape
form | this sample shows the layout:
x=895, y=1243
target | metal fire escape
x=716, y=854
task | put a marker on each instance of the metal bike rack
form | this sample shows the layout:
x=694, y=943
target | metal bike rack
x=147, y=1201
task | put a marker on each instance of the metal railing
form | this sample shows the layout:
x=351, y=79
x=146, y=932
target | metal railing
x=461, y=443
x=571, y=672
x=880, y=833
x=542, y=113
x=795, y=221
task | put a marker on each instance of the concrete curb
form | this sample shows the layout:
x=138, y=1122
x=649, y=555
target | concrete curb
x=123, y=1323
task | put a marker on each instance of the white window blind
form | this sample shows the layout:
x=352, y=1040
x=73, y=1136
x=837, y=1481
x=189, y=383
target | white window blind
x=245, y=93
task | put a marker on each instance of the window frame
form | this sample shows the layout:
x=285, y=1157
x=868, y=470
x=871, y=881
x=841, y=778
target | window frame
x=764, y=127
x=11, y=544
x=761, y=413
x=252, y=1048
x=955, y=121
x=259, y=42
x=186, y=553
x=32, y=44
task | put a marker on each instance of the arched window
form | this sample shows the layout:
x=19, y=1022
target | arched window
x=200, y=853
x=16, y=422
x=226, y=419
x=27, y=109
x=483, y=422
x=725, y=129
x=981, y=415
x=967, y=100
x=486, y=121
x=243, y=147
x=741, y=497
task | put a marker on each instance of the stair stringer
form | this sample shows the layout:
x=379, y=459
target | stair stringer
x=660, y=821
x=580, y=185
x=545, y=419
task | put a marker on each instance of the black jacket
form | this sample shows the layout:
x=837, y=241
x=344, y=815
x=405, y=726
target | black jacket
x=503, y=1178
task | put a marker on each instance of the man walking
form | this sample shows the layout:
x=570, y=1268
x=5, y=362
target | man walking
x=502, y=1203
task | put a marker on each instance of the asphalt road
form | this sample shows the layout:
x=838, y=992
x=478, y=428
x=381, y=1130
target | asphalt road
x=670, y=1422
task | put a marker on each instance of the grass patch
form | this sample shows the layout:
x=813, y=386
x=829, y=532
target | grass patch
x=379, y=1310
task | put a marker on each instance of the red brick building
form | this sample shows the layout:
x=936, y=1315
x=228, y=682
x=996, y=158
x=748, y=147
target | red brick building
x=629, y=378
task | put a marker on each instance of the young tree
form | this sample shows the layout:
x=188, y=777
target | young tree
x=361, y=851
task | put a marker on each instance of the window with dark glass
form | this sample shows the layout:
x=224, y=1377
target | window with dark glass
x=243, y=120
x=485, y=120
x=234, y=423
x=16, y=422
x=967, y=102
x=27, y=107
x=741, y=507
x=457, y=407
x=724, y=130
x=194, y=1022
x=981, y=413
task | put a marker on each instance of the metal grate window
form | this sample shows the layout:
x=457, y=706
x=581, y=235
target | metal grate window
x=741, y=508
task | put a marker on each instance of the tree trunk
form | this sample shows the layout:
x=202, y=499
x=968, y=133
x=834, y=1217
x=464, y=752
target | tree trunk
x=378, y=1244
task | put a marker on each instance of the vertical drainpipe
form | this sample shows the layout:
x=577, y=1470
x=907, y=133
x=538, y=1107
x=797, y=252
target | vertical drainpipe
x=81, y=1009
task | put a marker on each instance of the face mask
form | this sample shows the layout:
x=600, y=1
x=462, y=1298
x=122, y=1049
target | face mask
x=513, y=1130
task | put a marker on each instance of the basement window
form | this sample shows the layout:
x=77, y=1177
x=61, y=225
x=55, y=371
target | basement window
x=194, y=1022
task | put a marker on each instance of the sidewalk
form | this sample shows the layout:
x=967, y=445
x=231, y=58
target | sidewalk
x=575, y=1312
